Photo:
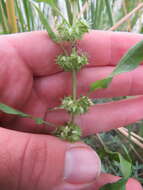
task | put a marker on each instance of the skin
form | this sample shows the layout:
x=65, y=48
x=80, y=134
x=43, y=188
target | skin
x=31, y=82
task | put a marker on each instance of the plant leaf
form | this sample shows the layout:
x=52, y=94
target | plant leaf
x=128, y=62
x=101, y=83
x=39, y=121
x=9, y=110
x=125, y=164
x=47, y=26
x=6, y=109
x=119, y=185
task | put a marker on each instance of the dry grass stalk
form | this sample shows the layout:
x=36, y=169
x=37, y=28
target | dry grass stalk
x=11, y=16
x=126, y=18
x=133, y=139
x=135, y=135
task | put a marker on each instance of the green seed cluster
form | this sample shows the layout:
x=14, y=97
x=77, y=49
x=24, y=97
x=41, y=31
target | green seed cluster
x=76, y=107
x=70, y=132
x=72, y=62
x=67, y=32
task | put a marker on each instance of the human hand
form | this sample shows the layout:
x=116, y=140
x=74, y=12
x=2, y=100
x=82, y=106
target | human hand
x=32, y=83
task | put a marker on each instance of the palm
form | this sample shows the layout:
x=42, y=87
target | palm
x=21, y=90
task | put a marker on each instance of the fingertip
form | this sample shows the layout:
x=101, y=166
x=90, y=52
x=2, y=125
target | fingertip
x=132, y=184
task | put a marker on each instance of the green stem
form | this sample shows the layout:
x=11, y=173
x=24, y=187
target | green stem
x=74, y=73
x=74, y=90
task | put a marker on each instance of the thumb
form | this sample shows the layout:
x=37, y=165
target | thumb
x=31, y=161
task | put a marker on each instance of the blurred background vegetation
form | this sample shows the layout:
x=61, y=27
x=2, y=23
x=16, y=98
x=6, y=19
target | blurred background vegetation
x=114, y=15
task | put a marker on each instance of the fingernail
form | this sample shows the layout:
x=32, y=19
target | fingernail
x=82, y=165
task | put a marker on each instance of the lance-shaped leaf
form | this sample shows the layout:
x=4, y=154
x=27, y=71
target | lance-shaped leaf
x=9, y=110
x=128, y=62
x=46, y=24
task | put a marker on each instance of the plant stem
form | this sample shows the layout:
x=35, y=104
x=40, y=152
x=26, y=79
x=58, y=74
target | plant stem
x=74, y=90
x=11, y=16
x=74, y=73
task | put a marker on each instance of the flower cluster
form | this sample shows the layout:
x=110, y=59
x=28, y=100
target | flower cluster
x=70, y=132
x=78, y=106
x=67, y=32
x=72, y=62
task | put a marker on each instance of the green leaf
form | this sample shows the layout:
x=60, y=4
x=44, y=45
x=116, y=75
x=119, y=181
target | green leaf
x=47, y=26
x=128, y=62
x=119, y=185
x=9, y=110
x=125, y=166
x=6, y=109
x=39, y=121
x=100, y=84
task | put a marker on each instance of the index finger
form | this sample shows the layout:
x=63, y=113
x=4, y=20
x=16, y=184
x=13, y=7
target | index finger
x=39, y=52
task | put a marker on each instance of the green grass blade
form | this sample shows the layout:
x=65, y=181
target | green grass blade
x=27, y=10
x=31, y=13
x=70, y=16
x=109, y=12
x=47, y=26
x=21, y=22
x=94, y=14
x=4, y=20
x=99, y=10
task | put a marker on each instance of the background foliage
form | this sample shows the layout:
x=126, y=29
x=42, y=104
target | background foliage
x=114, y=15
